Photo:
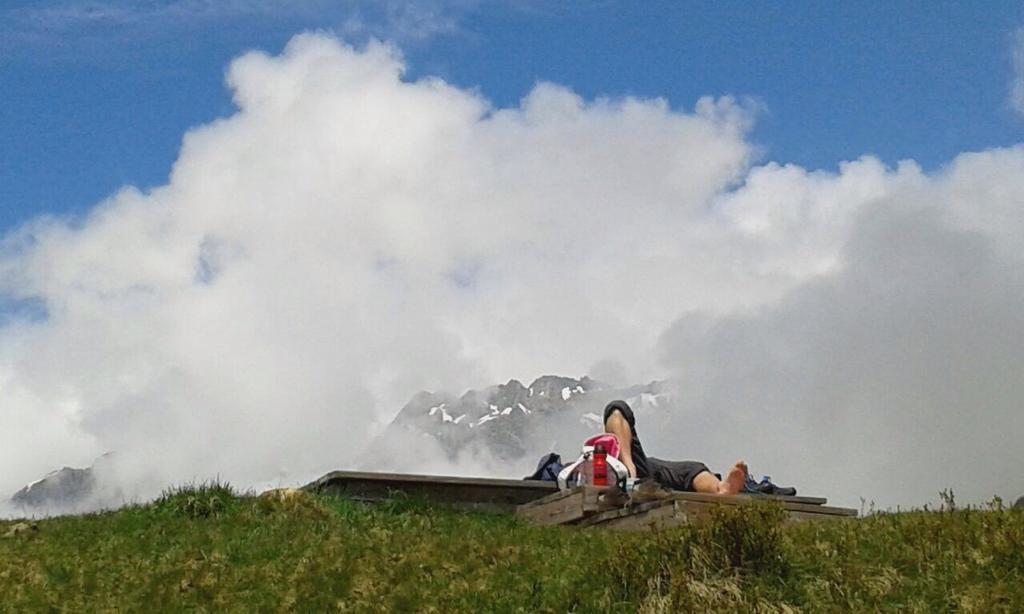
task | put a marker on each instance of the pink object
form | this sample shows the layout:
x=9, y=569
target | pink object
x=608, y=440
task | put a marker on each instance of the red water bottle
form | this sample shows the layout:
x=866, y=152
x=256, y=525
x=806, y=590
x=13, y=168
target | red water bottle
x=600, y=464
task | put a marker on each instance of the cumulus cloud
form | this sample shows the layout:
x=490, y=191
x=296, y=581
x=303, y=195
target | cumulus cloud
x=349, y=237
x=893, y=377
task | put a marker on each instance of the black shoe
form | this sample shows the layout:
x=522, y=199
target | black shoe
x=767, y=487
x=750, y=487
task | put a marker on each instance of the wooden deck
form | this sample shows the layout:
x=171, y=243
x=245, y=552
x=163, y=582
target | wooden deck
x=595, y=507
x=471, y=493
x=542, y=503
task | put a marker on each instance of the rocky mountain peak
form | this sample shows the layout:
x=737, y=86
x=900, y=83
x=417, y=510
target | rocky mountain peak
x=511, y=420
x=554, y=386
x=68, y=488
x=507, y=422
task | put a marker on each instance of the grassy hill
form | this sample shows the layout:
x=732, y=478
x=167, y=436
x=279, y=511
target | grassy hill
x=207, y=549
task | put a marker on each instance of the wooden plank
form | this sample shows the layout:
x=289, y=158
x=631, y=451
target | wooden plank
x=671, y=513
x=659, y=517
x=406, y=478
x=793, y=499
x=807, y=504
x=753, y=499
x=545, y=500
x=554, y=509
x=562, y=508
x=746, y=496
x=667, y=515
x=616, y=513
x=652, y=489
x=564, y=505
x=560, y=511
x=507, y=495
x=473, y=493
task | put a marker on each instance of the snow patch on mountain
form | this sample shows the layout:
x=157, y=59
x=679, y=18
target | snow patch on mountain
x=477, y=433
x=554, y=412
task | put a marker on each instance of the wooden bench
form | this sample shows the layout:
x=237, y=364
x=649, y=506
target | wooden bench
x=542, y=503
x=586, y=507
x=488, y=494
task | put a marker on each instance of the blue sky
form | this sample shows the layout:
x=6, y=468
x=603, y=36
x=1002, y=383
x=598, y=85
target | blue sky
x=348, y=238
x=97, y=94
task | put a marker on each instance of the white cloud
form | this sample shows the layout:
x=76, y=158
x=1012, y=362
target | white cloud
x=348, y=238
x=77, y=13
x=894, y=376
x=1017, y=81
x=403, y=21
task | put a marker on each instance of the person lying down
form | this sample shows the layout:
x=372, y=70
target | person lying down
x=693, y=476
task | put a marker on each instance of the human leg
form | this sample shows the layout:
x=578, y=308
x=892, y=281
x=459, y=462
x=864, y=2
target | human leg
x=707, y=482
x=617, y=425
x=687, y=476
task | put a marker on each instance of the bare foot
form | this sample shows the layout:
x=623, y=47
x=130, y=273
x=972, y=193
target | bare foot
x=733, y=482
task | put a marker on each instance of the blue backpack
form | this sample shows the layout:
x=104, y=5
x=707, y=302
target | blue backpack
x=548, y=468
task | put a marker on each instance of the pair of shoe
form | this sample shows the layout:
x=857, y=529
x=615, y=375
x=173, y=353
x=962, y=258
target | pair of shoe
x=766, y=487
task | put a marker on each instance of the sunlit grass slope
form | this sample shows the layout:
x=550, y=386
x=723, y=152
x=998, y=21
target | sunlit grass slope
x=205, y=548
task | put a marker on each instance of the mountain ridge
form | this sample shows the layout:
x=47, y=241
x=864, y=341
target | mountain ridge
x=503, y=424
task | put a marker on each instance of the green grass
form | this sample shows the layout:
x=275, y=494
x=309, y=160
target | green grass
x=205, y=548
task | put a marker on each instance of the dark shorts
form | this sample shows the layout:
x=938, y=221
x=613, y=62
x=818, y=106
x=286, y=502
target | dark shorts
x=677, y=475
